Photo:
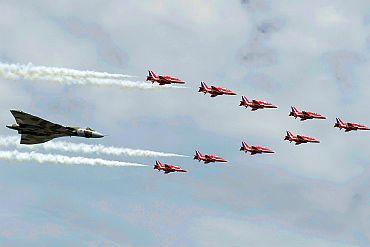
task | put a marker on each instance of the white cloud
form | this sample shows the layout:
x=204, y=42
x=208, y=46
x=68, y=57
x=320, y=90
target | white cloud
x=238, y=232
x=287, y=53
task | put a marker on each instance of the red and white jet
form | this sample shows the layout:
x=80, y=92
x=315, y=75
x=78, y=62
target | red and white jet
x=208, y=158
x=255, y=104
x=214, y=91
x=350, y=126
x=299, y=139
x=304, y=115
x=254, y=149
x=163, y=80
x=167, y=168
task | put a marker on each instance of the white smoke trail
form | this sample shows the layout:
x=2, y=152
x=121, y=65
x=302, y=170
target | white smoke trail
x=61, y=159
x=51, y=71
x=85, y=148
x=71, y=77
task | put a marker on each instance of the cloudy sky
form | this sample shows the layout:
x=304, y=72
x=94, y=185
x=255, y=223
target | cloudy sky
x=311, y=54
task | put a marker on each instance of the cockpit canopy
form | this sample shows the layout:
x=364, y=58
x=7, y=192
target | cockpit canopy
x=88, y=128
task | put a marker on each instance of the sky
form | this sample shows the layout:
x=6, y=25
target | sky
x=310, y=54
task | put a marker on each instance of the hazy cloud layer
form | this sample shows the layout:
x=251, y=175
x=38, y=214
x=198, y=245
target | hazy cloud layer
x=313, y=55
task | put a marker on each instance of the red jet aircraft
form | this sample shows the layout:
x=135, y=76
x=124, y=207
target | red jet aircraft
x=255, y=104
x=214, y=91
x=304, y=115
x=299, y=139
x=207, y=158
x=254, y=149
x=167, y=168
x=350, y=126
x=163, y=80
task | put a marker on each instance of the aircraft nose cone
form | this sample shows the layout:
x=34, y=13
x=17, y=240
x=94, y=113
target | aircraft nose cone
x=96, y=134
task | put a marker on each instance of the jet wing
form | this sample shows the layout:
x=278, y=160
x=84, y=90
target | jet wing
x=25, y=118
x=35, y=139
x=45, y=127
x=301, y=138
x=217, y=90
x=163, y=81
x=209, y=157
x=256, y=102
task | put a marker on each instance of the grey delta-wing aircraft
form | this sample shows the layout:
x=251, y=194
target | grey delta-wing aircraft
x=36, y=130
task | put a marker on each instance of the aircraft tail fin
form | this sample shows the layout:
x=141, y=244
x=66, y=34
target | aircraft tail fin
x=244, y=146
x=294, y=111
x=158, y=164
x=152, y=74
x=288, y=136
x=197, y=155
x=204, y=85
x=339, y=123
x=245, y=99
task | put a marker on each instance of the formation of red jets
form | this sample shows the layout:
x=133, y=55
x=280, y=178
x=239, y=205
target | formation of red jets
x=254, y=104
